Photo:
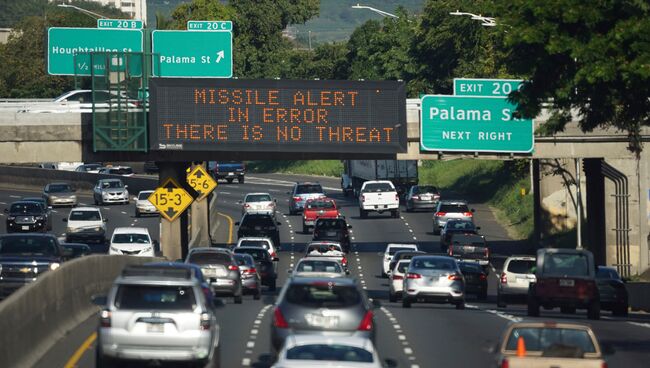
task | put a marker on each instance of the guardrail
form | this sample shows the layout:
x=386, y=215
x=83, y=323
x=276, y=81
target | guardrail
x=37, y=316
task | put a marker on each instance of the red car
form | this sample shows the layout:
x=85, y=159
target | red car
x=318, y=208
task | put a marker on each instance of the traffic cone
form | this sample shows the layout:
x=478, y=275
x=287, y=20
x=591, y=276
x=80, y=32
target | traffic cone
x=521, y=347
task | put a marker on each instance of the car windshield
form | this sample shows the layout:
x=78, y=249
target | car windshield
x=323, y=248
x=566, y=264
x=454, y=208
x=145, y=297
x=607, y=273
x=330, y=224
x=433, y=263
x=521, y=266
x=403, y=266
x=547, y=339
x=34, y=199
x=25, y=208
x=393, y=250
x=90, y=167
x=258, y=198
x=470, y=267
x=28, y=245
x=425, y=189
x=255, y=220
x=464, y=239
x=378, y=187
x=131, y=238
x=59, y=188
x=330, y=353
x=254, y=243
x=77, y=215
x=318, y=266
x=121, y=171
x=204, y=258
x=321, y=205
x=460, y=225
x=112, y=184
x=323, y=294
x=257, y=254
x=309, y=189
x=244, y=260
x=143, y=195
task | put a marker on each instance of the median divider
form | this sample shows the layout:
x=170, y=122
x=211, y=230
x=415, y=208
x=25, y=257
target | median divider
x=37, y=316
x=639, y=296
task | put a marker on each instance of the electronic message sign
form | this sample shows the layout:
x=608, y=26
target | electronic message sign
x=277, y=116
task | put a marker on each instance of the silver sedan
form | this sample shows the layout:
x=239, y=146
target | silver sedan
x=434, y=279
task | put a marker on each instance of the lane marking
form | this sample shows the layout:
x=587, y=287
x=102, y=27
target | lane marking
x=230, y=225
x=639, y=324
x=14, y=196
x=246, y=362
x=74, y=359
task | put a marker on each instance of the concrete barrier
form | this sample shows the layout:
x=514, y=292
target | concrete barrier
x=38, y=315
x=639, y=295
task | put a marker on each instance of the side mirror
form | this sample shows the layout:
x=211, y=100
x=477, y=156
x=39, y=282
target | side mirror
x=390, y=363
x=64, y=219
x=126, y=186
x=6, y=210
x=99, y=300
x=278, y=223
x=237, y=223
x=289, y=271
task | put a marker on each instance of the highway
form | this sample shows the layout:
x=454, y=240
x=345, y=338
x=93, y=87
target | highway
x=427, y=335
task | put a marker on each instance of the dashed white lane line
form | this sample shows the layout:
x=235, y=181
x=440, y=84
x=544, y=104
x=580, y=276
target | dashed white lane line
x=225, y=193
x=14, y=196
x=509, y=317
x=639, y=324
x=246, y=362
x=3, y=202
x=408, y=351
x=123, y=212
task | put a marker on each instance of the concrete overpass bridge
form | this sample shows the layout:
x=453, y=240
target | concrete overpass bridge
x=615, y=184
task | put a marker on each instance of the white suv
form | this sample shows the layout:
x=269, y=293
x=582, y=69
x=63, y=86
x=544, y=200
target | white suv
x=518, y=273
x=262, y=242
x=133, y=241
x=391, y=249
x=85, y=224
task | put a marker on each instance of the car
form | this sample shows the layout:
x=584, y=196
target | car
x=449, y=209
x=612, y=291
x=25, y=257
x=85, y=224
x=333, y=229
x=142, y=204
x=470, y=247
x=76, y=250
x=229, y=170
x=378, y=196
x=564, y=278
x=326, y=306
x=456, y=227
x=435, y=279
x=26, y=216
x=475, y=279
x=117, y=170
x=390, y=251
x=518, y=272
x=150, y=167
x=318, y=267
x=196, y=272
x=396, y=284
x=89, y=168
x=110, y=191
x=59, y=194
x=549, y=344
x=253, y=241
x=259, y=225
x=318, y=208
x=250, y=278
x=402, y=255
x=305, y=351
x=85, y=99
x=421, y=197
x=327, y=249
x=48, y=209
x=300, y=193
x=160, y=314
x=258, y=203
x=132, y=241
x=263, y=264
x=220, y=269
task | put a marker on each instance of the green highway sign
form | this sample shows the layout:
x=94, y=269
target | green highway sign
x=473, y=124
x=192, y=54
x=209, y=25
x=68, y=49
x=485, y=87
x=120, y=23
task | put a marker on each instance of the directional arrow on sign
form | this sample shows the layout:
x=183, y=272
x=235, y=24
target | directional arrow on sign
x=170, y=199
x=202, y=183
x=220, y=55
x=170, y=212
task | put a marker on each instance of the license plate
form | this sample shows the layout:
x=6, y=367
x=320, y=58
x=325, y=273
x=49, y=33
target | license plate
x=568, y=283
x=25, y=227
x=231, y=174
x=155, y=327
x=470, y=249
x=331, y=233
x=425, y=198
x=322, y=321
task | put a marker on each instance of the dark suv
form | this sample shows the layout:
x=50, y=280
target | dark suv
x=25, y=216
x=258, y=224
x=263, y=262
x=335, y=229
x=24, y=257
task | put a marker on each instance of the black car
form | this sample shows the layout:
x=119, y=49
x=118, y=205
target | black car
x=475, y=279
x=403, y=254
x=612, y=290
x=257, y=224
x=456, y=227
x=263, y=263
x=48, y=209
x=24, y=257
x=25, y=216
x=334, y=229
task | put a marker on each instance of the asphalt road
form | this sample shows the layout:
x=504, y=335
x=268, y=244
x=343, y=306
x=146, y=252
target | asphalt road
x=426, y=335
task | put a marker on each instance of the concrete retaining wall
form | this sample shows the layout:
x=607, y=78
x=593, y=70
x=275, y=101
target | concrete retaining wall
x=35, y=317
x=639, y=295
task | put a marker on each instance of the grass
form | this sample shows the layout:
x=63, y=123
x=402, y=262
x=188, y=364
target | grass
x=332, y=168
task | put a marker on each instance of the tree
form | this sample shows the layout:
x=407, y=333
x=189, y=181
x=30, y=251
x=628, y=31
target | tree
x=583, y=55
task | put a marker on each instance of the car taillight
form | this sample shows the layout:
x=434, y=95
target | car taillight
x=273, y=255
x=278, y=319
x=105, y=318
x=398, y=277
x=366, y=322
x=450, y=251
x=487, y=252
x=233, y=268
x=397, y=197
x=250, y=270
x=205, y=321
x=602, y=365
x=297, y=199
x=270, y=205
x=440, y=214
x=411, y=275
x=454, y=277
x=505, y=363
x=468, y=214
x=483, y=277
x=504, y=278
x=247, y=205
x=344, y=261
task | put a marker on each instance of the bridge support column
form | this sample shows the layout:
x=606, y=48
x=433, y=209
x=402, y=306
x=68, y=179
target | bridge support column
x=199, y=219
x=174, y=235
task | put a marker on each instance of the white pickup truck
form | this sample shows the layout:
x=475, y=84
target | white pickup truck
x=378, y=196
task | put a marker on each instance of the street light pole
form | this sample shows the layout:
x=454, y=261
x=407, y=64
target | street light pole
x=487, y=21
x=380, y=12
x=87, y=12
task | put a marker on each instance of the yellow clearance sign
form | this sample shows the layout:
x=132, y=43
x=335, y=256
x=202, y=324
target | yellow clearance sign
x=170, y=199
x=201, y=182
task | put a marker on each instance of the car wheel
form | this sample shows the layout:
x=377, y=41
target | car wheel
x=482, y=295
x=392, y=297
x=394, y=214
x=460, y=305
x=436, y=230
x=406, y=302
x=104, y=362
x=501, y=301
x=257, y=295
x=241, y=180
x=620, y=310
x=239, y=298
x=407, y=208
x=305, y=228
x=96, y=202
x=568, y=310
x=137, y=213
x=593, y=312
x=533, y=307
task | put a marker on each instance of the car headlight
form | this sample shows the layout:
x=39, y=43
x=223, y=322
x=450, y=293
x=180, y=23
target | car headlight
x=54, y=266
x=11, y=218
x=147, y=249
x=70, y=230
x=99, y=228
x=114, y=249
x=39, y=218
